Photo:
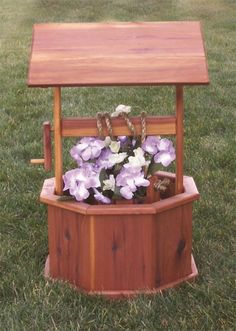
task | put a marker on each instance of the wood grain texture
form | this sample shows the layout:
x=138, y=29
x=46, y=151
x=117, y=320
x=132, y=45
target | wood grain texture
x=81, y=127
x=68, y=236
x=124, y=249
x=179, y=139
x=173, y=228
x=58, y=141
x=107, y=54
x=47, y=146
x=110, y=253
x=151, y=194
x=131, y=293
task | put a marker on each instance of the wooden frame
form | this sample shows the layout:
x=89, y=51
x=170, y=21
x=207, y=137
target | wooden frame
x=156, y=125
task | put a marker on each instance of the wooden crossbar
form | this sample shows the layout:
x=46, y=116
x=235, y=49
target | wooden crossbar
x=81, y=127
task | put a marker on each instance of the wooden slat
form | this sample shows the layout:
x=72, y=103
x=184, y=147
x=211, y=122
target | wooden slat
x=121, y=263
x=58, y=140
x=75, y=127
x=179, y=138
x=172, y=230
x=68, y=235
x=92, y=251
x=108, y=54
x=47, y=146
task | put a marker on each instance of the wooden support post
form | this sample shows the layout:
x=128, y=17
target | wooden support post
x=179, y=138
x=58, y=141
x=47, y=147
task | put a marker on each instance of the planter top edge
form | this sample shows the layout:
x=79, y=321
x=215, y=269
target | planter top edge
x=190, y=194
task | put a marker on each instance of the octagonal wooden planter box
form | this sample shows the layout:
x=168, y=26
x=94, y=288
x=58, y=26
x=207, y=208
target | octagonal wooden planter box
x=120, y=250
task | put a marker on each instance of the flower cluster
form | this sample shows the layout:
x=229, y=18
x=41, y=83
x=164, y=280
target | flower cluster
x=113, y=169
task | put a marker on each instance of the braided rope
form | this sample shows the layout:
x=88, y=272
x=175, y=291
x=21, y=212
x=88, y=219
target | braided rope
x=99, y=125
x=143, y=127
x=108, y=124
x=129, y=123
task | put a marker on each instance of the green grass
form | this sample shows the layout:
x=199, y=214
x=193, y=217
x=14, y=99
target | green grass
x=28, y=302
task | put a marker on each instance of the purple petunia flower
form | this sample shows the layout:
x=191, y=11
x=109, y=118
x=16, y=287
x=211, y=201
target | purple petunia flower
x=88, y=148
x=166, y=153
x=122, y=139
x=151, y=144
x=162, y=149
x=79, y=181
x=129, y=179
x=103, y=161
x=100, y=197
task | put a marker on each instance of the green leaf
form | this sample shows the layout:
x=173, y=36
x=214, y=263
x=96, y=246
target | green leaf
x=116, y=194
x=103, y=176
x=153, y=168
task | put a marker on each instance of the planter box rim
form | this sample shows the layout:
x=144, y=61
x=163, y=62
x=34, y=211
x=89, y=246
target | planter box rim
x=190, y=194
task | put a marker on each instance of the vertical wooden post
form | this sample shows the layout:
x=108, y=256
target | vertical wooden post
x=92, y=252
x=179, y=138
x=58, y=140
x=47, y=146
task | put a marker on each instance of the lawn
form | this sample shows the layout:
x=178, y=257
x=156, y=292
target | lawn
x=27, y=300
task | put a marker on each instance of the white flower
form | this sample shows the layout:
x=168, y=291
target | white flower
x=121, y=109
x=115, y=146
x=109, y=184
x=117, y=158
x=138, y=160
x=107, y=141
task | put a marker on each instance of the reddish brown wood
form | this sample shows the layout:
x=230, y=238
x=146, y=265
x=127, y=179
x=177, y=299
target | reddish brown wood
x=173, y=247
x=111, y=251
x=58, y=141
x=98, y=54
x=128, y=253
x=123, y=259
x=131, y=293
x=47, y=146
x=152, y=195
x=190, y=194
x=123, y=202
x=179, y=138
x=68, y=236
x=80, y=127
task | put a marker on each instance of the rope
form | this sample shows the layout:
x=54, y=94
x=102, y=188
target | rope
x=107, y=118
x=108, y=124
x=143, y=127
x=99, y=124
x=129, y=123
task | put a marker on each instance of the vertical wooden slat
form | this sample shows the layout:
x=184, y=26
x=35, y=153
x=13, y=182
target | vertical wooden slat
x=179, y=138
x=47, y=147
x=58, y=140
x=92, y=252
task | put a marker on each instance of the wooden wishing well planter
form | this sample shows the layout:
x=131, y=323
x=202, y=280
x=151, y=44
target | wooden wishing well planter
x=118, y=250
